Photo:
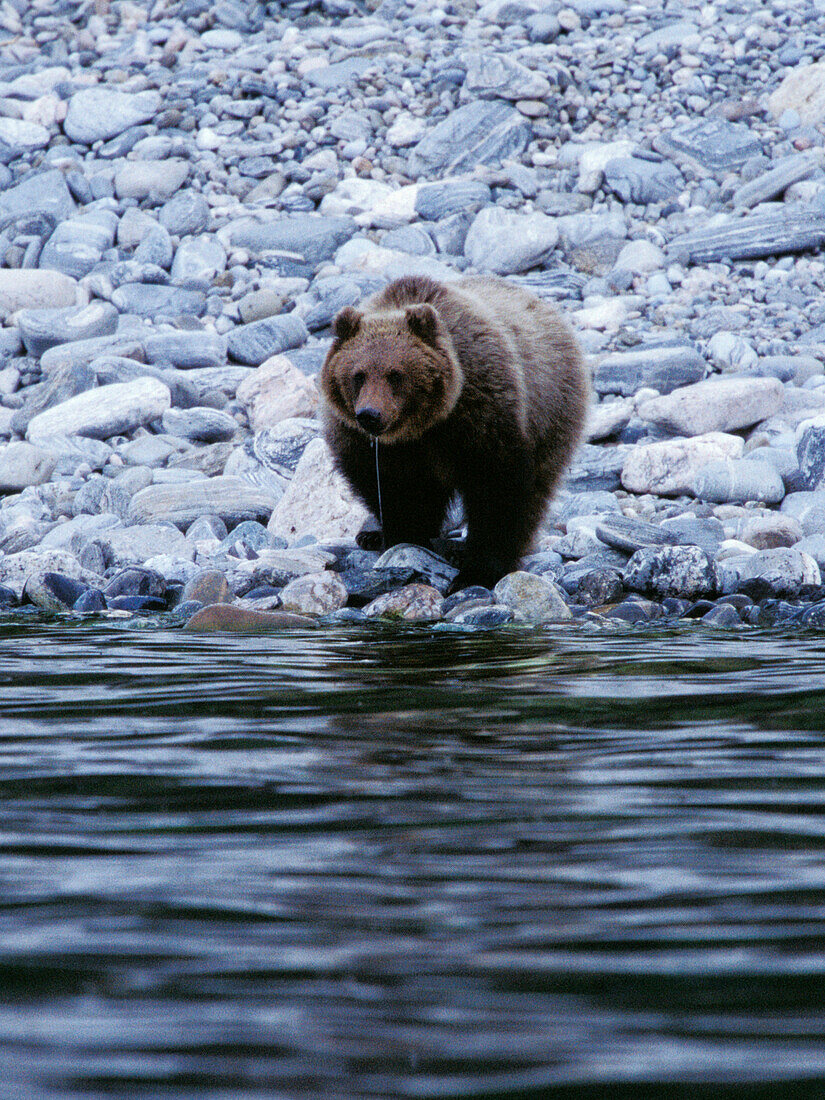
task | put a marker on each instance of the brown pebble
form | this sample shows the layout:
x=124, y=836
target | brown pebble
x=240, y=620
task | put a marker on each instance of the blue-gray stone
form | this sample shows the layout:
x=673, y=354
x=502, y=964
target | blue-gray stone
x=98, y=113
x=339, y=74
x=737, y=481
x=254, y=343
x=200, y=425
x=791, y=228
x=185, y=213
x=156, y=247
x=153, y=300
x=810, y=452
x=682, y=571
x=451, y=196
x=186, y=350
x=314, y=238
x=41, y=193
x=640, y=181
x=664, y=368
x=46, y=328
x=716, y=144
x=484, y=132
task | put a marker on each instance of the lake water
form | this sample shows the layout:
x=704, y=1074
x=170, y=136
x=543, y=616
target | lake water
x=405, y=863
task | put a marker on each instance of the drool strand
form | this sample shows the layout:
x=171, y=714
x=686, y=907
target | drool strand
x=380, y=507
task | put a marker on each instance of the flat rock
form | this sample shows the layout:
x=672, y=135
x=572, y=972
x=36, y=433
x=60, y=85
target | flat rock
x=313, y=238
x=41, y=329
x=122, y=546
x=103, y=412
x=436, y=571
x=230, y=498
x=715, y=405
x=96, y=114
x=669, y=467
x=456, y=195
x=229, y=619
x=629, y=535
x=660, y=368
x=803, y=91
x=774, y=182
x=775, y=233
x=534, y=599
x=186, y=350
x=318, y=500
x=277, y=391
x=640, y=181
x=484, y=132
x=497, y=76
x=200, y=425
x=152, y=300
x=715, y=143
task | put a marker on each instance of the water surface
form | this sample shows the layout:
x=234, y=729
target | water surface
x=405, y=863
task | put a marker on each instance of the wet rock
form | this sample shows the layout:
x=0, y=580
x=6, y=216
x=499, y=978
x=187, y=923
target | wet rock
x=318, y=501
x=535, y=599
x=53, y=591
x=314, y=594
x=722, y=616
x=435, y=570
x=486, y=617
x=415, y=603
x=230, y=619
x=668, y=468
x=16, y=568
x=661, y=368
x=135, y=582
x=208, y=587
x=103, y=412
x=685, y=572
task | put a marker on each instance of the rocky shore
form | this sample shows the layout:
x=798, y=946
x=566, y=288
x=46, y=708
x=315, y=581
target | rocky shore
x=191, y=189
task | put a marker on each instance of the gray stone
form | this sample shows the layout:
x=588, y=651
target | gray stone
x=63, y=383
x=314, y=594
x=150, y=179
x=729, y=481
x=33, y=289
x=79, y=353
x=314, y=239
x=185, y=213
x=38, y=193
x=810, y=452
x=505, y=242
x=254, y=343
x=661, y=368
x=269, y=459
x=685, y=572
x=629, y=535
x=22, y=465
x=413, y=603
x=688, y=530
x=808, y=508
x=74, y=451
x=669, y=467
x=534, y=599
x=484, y=132
x=45, y=328
x=200, y=425
x=716, y=144
x=103, y=412
x=122, y=546
x=486, y=616
x=78, y=243
x=643, y=181
x=769, y=184
x=318, y=500
x=198, y=259
x=436, y=571
x=723, y=617
x=497, y=76
x=155, y=247
x=339, y=74
x=186, y=349
x=434, y=201
x=152, y=300
x=17, y=568
x=596, y=468
x=228, y=497
x=715, y=405
x=96, y=114
x=73, y=535
x=780, y=573
x=788, y=229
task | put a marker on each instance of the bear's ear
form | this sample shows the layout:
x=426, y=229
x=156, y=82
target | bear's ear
x=423, y=322
x=347, y=322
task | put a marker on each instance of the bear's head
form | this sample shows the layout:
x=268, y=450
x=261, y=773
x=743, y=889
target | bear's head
x=391, y=375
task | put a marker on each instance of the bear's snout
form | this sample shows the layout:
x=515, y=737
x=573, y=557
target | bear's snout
x=369, y=420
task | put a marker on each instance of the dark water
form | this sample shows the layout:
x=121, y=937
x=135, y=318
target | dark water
x=411, y=864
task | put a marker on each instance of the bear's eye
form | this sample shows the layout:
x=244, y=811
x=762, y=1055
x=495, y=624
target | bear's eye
x=358, y=380
x=395, y=378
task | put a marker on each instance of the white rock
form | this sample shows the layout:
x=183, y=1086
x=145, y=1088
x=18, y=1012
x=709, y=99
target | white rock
x=715, y=405
x=277, y=391
x=23, y=135
x=15, y=569
x=32, y=288
x=103, y=412
x=314, y=594
x=406, y=130
x=505, y=242
x=354, y=196
x=593, y=160
x=22, y=465
x=668, y=468
x=640, y=257
x=318, y=500
x=728, y=351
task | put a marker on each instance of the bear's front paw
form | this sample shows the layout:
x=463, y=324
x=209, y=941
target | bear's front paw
x=370, y=540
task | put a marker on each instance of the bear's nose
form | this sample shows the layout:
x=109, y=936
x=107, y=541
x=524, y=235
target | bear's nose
x=369, y=420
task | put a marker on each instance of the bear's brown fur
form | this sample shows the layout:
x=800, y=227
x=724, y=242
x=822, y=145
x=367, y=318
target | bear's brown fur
x=475, y=387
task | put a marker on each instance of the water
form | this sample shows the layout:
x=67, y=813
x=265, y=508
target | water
x=397, y=863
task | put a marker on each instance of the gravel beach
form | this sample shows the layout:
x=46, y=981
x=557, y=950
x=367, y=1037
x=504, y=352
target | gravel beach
x=191, y=189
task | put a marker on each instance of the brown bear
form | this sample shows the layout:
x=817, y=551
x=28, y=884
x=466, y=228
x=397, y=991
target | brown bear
x=475, y=387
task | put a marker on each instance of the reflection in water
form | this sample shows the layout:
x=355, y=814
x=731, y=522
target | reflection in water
x=410, y=863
